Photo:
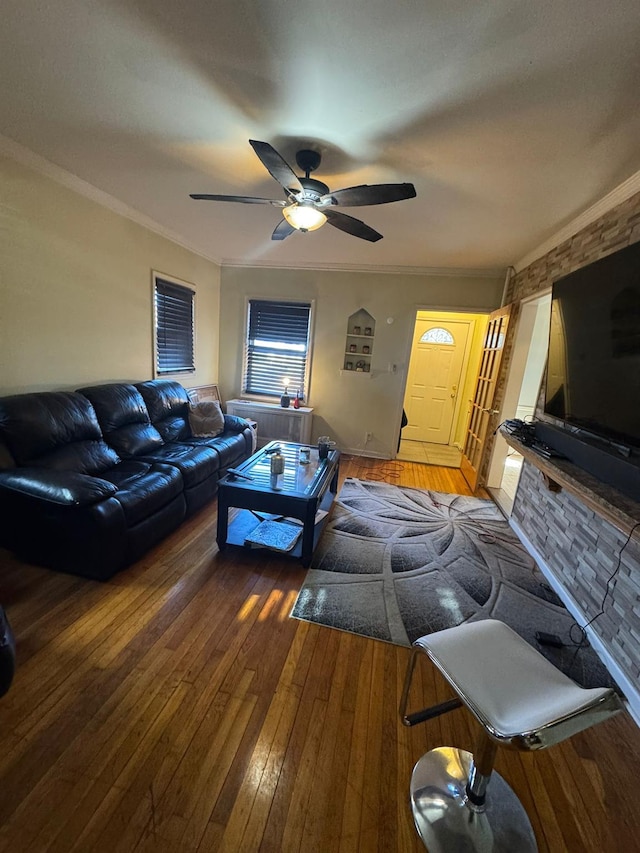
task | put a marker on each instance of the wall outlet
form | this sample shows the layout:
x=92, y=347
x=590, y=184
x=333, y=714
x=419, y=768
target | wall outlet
x=368, y=436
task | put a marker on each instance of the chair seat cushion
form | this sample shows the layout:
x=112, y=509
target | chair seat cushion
x=508, y=685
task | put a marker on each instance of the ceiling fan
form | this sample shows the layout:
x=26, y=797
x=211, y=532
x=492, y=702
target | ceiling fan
x=310, y=203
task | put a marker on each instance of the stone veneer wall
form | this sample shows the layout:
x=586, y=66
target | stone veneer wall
x=582, y=551
x=614, y=230
x=577, y=545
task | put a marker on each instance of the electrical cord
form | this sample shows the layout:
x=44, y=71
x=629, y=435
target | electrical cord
x=610, y=586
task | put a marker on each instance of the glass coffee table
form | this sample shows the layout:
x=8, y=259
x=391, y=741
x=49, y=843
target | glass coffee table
x=268, y=517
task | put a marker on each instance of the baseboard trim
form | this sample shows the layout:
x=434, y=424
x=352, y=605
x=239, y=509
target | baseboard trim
x=630, y=690
x=359, y=451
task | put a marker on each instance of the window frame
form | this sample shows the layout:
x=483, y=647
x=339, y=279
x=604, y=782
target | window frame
x=268, y=398
x=185, y=285
x=449, y=342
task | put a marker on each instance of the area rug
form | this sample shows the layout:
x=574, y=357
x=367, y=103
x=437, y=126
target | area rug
x=397, y=563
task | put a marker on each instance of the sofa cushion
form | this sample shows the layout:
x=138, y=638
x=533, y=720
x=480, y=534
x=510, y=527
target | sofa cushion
x=57, y=430
x=168, y=407
x=194, y=463
x=124, y=419
x=144, y=487
x=206, y=419
x=230, y=447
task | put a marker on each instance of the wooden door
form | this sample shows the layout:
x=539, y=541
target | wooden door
x=482, y=411
x=430, y=399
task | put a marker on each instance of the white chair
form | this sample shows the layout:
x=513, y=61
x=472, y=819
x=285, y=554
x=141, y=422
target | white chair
x=522, y=702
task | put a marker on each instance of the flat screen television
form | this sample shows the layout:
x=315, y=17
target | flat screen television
x=593, y=370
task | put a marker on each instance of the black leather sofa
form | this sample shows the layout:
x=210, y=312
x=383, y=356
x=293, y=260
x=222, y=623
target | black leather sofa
x=91, y=479
x=7, y=653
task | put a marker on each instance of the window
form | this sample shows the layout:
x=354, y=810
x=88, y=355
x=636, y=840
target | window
x=277, y=347
x=437, y=336
x=174, y=327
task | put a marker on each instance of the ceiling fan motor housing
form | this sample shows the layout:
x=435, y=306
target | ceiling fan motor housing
x=308, y=160
x=313, y=190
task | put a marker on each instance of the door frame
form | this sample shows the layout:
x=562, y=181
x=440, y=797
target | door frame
x=404, y=374
x=513, y=386
x=464, y=365
x=483, y=401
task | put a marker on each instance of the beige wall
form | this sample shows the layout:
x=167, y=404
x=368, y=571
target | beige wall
x=76, y=294
x=348, y=404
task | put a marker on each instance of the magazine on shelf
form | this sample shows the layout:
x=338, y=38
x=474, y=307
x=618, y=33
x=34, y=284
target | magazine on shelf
x=277, y=535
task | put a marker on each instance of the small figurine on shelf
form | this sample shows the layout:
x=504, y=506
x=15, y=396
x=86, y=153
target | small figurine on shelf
x=368, y=330
x=356, y=330
x=365, y=350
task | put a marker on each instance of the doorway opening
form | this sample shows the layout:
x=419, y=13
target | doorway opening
x=445, y=354
x=522, y=394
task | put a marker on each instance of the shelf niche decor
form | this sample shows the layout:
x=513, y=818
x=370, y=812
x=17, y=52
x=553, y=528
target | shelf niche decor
x=361, y=330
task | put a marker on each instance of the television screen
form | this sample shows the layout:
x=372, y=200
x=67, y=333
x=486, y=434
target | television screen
x=593, y=370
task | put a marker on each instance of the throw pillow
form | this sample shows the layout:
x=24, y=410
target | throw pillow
x=206, y=419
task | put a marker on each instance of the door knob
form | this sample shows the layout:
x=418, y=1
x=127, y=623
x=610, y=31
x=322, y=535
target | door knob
x=491, y=411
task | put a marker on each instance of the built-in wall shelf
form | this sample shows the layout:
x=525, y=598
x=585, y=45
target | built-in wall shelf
x=358, y=351
x=362, y=374
x=621, y=511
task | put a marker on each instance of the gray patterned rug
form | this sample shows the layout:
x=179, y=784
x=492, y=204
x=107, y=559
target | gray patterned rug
x=396, y=563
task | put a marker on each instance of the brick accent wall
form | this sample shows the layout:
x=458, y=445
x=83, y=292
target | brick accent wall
x=582, y=549
x=577, y=545
x=614, y=230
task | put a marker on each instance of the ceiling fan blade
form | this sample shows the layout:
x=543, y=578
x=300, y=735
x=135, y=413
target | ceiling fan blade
x=282, y=230
x=277, y=167
x=243, y=199
x=351, y=225
x=371, y=194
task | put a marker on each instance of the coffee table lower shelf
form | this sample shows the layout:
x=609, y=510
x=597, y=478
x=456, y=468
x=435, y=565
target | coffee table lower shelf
x=242, y=522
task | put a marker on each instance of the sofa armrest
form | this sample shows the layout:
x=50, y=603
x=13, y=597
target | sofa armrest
x=233, y=423
x=64, y=488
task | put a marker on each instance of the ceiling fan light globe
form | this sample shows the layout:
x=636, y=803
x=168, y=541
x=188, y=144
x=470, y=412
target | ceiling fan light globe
x=304, y=217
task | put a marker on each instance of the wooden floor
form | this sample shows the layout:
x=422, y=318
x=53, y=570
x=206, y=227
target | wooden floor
x=179, y=708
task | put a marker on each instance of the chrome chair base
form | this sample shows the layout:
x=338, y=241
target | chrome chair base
x=448, y=823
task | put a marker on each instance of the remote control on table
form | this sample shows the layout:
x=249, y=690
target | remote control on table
x=234, y=473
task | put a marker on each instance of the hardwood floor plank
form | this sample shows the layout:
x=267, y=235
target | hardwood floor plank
x=177, y=707
x=246, y=823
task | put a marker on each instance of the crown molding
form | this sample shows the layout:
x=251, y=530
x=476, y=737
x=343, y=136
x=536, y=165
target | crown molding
x=621, y=193
x=26, y=157
x=369, y=268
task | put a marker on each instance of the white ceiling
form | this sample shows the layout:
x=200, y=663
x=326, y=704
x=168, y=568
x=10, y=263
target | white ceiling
x=511, y=117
